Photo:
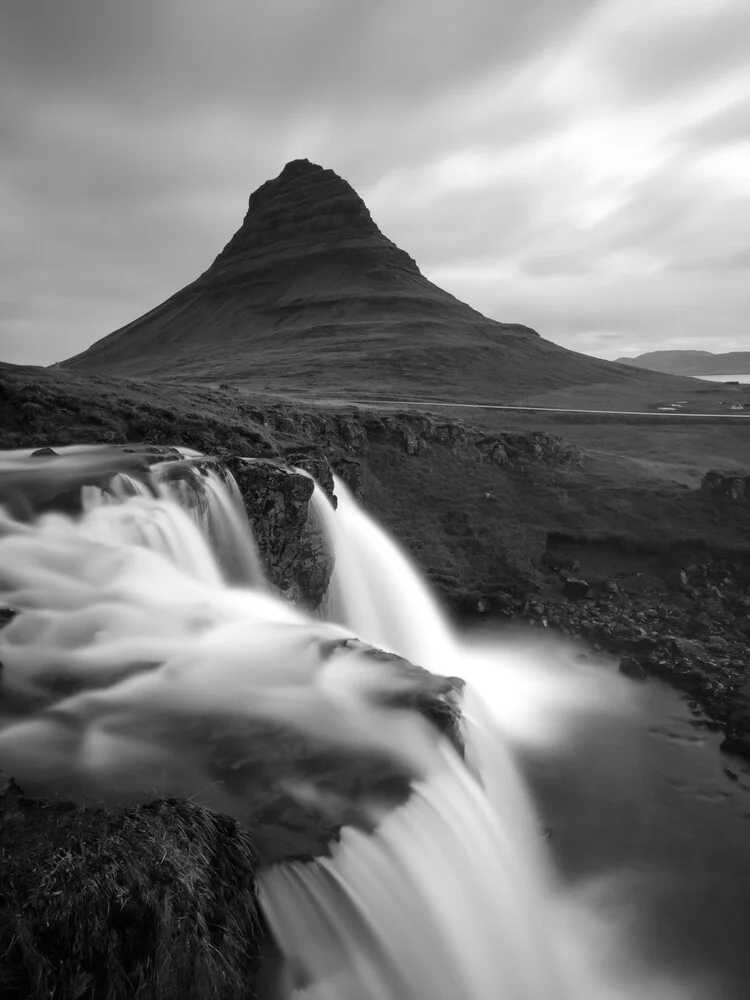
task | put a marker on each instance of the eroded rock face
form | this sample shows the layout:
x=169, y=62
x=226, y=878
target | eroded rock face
x=289, y=538
x=312, y=459
x=347, y=436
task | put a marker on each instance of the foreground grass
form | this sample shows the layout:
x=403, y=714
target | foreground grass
x=154, y=903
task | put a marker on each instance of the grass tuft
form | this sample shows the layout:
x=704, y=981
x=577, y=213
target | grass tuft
x=153, y=903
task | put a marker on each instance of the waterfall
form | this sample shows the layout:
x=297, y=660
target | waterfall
x=453, y=894
x=374, y=590
x=131, y=656
x=208, y=497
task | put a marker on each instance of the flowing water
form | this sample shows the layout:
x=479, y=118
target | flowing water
x=130, y=652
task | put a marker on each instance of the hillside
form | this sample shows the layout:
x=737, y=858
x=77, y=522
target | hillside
x=309, y=297
x=691, y=362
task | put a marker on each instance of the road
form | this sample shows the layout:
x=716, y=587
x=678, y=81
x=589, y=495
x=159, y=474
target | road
x=538, y=409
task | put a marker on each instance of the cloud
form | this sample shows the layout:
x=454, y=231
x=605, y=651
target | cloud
x=576, y=166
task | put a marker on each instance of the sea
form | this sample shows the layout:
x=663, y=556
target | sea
x=735, y=377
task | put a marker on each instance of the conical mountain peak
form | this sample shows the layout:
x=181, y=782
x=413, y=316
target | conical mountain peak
x=307, y=212
x=309, y=296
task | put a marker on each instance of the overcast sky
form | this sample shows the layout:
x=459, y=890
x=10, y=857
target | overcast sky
x=581, y=167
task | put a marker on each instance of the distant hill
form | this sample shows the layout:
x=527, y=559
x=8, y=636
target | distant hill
x=309, y=296
x=691, y=362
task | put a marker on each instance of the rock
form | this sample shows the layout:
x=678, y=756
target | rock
x=44, y=453
x=350, y=471
x=717, y=643
x=290, y=540
x=313, y=460
x=676, y=579
x=575, y=589
x=742, y=625
x=737, y=744
x=498, y=453
x=631, y=668
x=687, y=647
x=732, y=487
x=699, y=623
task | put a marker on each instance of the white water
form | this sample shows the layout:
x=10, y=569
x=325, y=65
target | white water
x=453, y=895
x=212, y=503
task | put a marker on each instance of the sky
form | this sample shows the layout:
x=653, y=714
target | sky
x=579, y=166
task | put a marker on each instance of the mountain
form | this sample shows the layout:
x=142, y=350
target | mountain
x=310, y=297
x=692, y=362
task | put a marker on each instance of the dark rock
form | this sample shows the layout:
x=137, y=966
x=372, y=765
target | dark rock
x=44, y=453
x=631, y=667
x=290, y=540
x=350, y=471
x=717, y=643
x=699, y=623
x=687, y=647
x=6, y=616
x=576, y=589
x=313, y=460
x=498, y=453
x=731, y=487
x=737, y=744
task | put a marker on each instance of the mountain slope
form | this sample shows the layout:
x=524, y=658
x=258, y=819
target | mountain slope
x=691, y=362
x=309, y=296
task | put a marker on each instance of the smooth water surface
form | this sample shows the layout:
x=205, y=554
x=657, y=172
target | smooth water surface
x=653, y=806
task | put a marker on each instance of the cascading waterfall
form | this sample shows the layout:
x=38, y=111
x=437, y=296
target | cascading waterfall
x=453, y=895
x=131, y=656
x=374, y=590
x=209, y=499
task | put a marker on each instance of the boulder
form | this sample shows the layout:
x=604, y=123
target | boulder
x=632, y=668
x=575, y=588
x=289, y=538
x=687, y=647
